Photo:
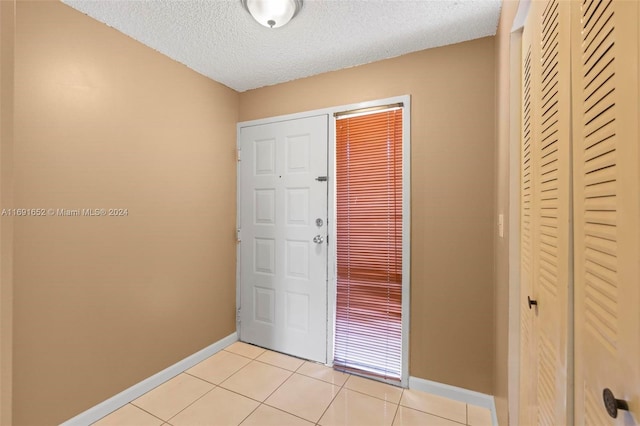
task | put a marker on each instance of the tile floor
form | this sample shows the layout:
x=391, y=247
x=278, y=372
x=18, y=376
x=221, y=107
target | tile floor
x=250, y=386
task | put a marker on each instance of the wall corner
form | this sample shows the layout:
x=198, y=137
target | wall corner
x=7, y=41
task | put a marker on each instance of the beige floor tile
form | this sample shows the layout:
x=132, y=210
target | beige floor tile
x=373, y=388
x=169, y=398
x=304, y=397
x=433, y=404
x=219, y=367
x=354, y=408
x=280, y=360
x=408, y=417
x=218, y=407
x=129, y=415
x=478, y=416
x=244, y=349
x=269, y=416
x=256, y=380
x=322, y=372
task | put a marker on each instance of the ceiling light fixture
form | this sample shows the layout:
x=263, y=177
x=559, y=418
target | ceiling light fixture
x=272, y=13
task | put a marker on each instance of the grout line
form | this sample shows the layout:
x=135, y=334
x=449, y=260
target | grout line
x=328, y=405
x=248, y=415
x=242, y=395
x=244, y=356
x=248, y=344
x=342, y=387
x=238, y=371
x=246, y=396
x=397, y=408
x=318, y=380
x=197, y=399
x=200, y=378
x=233, y=353
x=139, y=408
x=375, y=397
x=223, y=380
x=282, y=384
x=281, y=353
x=277, y=366
x=322, y=380
x=286, y=412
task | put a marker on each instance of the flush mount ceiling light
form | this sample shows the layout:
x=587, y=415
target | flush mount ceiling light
x=272, y=13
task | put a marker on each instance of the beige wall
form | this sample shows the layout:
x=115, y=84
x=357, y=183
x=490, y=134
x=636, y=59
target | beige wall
x=7, y=27
x=452, y=205
x=102, y=121
x=503, y=93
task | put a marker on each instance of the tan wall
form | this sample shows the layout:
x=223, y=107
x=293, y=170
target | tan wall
x=7, y=27
x=452, y=205
x=503, y=70
x=102, y=121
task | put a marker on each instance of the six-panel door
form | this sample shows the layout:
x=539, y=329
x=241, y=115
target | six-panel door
x=283, y=229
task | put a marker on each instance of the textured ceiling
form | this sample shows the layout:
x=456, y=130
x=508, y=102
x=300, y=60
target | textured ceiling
x=220, y=40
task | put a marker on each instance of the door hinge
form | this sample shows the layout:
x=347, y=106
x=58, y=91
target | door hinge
x=238, y=155
x=238, y=316
x=238, y=235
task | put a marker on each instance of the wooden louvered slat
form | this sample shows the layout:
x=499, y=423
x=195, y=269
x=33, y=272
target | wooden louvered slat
x=547, y=388
x=595, y=415
x=599, y=168
x=598, y=151
x=548, y=154
x=600, y=176
x=526, y=180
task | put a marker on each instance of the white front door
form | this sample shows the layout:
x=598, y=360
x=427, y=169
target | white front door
x=283, y=232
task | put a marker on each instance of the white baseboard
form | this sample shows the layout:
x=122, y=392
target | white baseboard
x=456, y=393
x=97, y=412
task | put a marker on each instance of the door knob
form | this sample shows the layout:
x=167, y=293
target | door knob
x=318, y=239
x=531, y=302
x=612, y=404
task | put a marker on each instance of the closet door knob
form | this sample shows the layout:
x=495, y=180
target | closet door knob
x=612, y=404
x=531, y=302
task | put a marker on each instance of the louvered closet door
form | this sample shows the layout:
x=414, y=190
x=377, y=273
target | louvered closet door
x=606, y=207
x=545, y=209
x=551, y=207
x=527, y=370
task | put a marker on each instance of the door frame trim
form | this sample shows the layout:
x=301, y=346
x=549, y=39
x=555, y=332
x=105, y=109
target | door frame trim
x=331, y=229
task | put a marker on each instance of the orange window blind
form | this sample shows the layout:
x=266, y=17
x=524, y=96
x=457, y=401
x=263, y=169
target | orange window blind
x=368, y=336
